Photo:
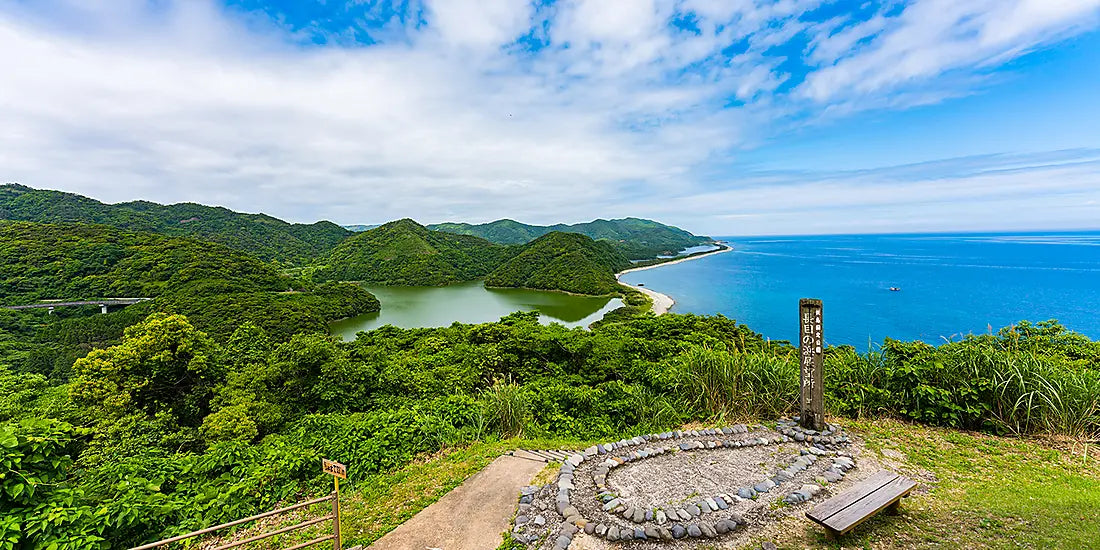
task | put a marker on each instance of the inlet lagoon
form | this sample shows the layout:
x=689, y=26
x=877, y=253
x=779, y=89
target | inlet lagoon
x=413, y=307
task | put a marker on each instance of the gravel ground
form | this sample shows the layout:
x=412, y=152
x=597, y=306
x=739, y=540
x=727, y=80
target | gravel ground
x=681, y=478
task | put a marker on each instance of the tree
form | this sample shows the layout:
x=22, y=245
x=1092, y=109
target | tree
x=163, y=365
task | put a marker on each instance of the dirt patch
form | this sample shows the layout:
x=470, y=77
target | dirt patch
x=683, y=478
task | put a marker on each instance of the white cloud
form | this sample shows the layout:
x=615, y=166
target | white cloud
x=931, y=37
x=174, y=101
x=966, y=194
x=480, y=23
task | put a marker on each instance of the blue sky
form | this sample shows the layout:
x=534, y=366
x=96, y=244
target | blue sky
x=721, y=116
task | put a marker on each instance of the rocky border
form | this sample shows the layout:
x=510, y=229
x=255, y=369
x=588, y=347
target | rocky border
x=669, y=523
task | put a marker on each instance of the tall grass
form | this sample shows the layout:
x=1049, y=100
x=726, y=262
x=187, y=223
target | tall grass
x=984, y=383
x=1031, y=395
x=506, y=408
x=722, y=384
x=653, y=410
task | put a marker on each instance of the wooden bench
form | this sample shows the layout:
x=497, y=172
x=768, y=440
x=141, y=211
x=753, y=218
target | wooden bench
x=852, y=507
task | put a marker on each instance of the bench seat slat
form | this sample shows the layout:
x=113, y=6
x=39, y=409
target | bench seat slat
x=851, y=516
x=827, y=509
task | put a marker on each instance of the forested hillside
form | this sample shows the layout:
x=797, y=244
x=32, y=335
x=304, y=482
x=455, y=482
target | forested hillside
x=260, y=235
x=634, y=237
x=562, y=261
x=404, y=252
x=218, y=287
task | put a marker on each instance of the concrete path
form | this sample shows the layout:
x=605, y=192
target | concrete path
x=470, y=517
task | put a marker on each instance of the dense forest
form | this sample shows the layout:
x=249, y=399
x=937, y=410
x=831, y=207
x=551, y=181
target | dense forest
x=260, y=235
x=171, y=429
x=272, y=239
x=401, y=252
x=406, y=253
x=635, y=238
x=218, y=288
x=562, y=261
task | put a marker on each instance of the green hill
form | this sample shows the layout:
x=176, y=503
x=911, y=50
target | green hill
x=260, y=235
x=404, y=252
x=636, y=238
x=218, y=287
x=500, y=231
x=562, y=261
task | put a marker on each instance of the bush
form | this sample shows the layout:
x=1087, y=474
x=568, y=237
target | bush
x=505, y=406
x=720, y=384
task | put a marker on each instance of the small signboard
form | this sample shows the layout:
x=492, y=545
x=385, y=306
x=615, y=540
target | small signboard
x=334, y=468
x=811, y=340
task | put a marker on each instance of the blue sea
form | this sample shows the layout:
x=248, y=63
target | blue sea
x=950, y=284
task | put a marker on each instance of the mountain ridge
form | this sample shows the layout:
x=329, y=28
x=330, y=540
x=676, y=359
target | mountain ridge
x=636, y=238
x=260, y=235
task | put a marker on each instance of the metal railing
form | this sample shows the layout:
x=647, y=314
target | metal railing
x=334, y=517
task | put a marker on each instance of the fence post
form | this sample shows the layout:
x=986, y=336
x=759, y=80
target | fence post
x=336, y=520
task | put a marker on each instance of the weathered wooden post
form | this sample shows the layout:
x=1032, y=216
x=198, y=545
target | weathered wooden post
x=338, y=471
x=811, y=358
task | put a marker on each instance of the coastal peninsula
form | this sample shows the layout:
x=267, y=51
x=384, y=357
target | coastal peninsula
x=662, y=303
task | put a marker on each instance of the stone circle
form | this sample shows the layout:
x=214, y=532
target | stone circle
x=634, y=489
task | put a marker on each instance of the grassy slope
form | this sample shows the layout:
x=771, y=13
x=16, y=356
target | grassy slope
x=988, y=492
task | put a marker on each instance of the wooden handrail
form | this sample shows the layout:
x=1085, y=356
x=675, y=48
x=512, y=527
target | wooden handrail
x=312, y=542
x=327, y=498
x=276, y=532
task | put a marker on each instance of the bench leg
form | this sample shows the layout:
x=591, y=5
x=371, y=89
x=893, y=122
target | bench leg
x=893, y=508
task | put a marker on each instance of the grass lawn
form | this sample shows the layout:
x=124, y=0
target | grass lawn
x=985, y=492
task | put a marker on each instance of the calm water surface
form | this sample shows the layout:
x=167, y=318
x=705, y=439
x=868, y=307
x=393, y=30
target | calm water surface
x=950, y=284
x=411, y=307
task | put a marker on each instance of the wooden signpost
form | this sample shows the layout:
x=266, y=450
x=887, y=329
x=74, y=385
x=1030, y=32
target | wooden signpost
x=811, y=342
x=338, y=472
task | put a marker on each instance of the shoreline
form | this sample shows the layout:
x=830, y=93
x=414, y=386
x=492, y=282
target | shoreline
x=725, y=248
x=662, y=303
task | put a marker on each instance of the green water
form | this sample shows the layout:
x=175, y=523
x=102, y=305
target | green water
x=414, y=306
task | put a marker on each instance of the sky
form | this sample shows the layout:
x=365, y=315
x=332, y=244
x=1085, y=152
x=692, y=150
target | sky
x=724, y=117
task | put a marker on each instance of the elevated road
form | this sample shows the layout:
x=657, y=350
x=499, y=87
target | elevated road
x=103, y=304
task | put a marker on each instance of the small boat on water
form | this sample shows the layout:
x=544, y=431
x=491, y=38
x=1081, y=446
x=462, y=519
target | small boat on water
x=641, y=284
x=895, y=288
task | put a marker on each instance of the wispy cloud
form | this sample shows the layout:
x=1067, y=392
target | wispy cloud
x=476, y=110
x=987, y=192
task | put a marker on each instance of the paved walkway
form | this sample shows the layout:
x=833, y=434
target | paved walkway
x=470, y=517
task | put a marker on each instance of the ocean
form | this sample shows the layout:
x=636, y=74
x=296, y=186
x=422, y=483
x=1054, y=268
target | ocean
x=949, y=284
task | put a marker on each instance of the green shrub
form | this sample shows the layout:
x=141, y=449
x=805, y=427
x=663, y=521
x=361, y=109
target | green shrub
x=506, y=407
x=722, y=384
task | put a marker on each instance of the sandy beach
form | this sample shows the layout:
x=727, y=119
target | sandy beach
x=663, y=302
